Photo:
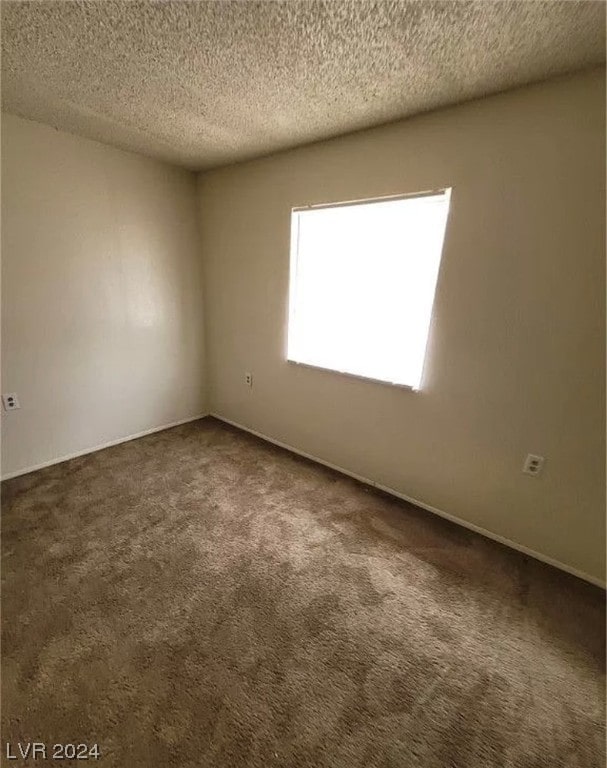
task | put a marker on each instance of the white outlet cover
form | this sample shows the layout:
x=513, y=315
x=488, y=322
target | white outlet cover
x=533, y=464
x=10, y=401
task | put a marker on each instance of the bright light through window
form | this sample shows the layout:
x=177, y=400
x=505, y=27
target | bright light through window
x=362, y=284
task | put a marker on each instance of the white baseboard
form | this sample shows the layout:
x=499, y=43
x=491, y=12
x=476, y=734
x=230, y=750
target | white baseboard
x=109, y=444
x=464, y=523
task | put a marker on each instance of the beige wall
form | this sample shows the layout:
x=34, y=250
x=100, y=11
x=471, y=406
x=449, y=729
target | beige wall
x=102, y=327
x=516, y=360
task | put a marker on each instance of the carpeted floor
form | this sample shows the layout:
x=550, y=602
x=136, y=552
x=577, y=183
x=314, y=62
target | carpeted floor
x=201, y=598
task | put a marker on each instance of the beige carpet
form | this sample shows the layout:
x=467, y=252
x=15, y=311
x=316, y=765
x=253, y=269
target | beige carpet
x=200, y=598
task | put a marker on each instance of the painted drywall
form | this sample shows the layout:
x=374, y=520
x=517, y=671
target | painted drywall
x=102, y=322
x=516, y=356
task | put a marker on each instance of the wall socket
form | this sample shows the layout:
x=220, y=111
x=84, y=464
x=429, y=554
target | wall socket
x=11, y=401
x=248, y=379
x=533, y=464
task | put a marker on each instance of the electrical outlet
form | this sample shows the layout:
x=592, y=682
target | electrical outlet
x=11, y=402
x=533, y=464
x=248, y=379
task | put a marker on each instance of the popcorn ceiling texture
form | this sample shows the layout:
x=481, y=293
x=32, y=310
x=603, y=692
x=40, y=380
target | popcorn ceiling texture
x=202, y=84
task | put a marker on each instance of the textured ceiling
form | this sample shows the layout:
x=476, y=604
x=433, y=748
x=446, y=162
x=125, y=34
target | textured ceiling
x=201, y=84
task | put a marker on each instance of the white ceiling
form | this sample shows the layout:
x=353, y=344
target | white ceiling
x=201, y=84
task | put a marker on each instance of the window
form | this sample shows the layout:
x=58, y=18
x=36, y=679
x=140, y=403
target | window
x=362, y=284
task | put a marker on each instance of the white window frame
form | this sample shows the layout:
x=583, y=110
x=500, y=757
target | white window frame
x=444, y=192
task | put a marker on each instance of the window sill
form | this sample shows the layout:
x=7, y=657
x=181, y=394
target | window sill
x=358, y=376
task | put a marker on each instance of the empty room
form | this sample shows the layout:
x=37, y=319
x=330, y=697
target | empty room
x=303, y=363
